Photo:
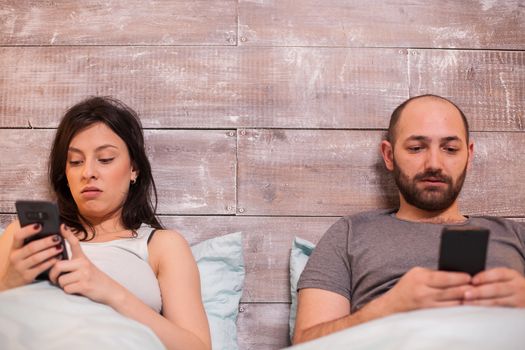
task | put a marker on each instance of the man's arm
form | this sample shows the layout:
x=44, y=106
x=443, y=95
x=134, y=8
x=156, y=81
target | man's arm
x=321, y=312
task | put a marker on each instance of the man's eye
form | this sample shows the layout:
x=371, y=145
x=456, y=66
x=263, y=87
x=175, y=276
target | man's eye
x=415, y=148
x=106, y=160
x=451, y=149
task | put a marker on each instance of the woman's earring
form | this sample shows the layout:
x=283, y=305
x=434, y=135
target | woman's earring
x=133, y=181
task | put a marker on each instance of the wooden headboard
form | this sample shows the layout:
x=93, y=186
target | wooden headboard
x=265, y=116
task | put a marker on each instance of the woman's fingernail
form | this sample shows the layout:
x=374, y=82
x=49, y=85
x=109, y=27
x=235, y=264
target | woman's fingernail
x=36, y=226
x=56, y=238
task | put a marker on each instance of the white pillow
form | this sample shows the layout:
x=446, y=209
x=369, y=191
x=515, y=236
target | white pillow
x=299, y=255
x=221, y=266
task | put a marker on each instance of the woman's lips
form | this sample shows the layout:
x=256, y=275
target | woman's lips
x=91, y=192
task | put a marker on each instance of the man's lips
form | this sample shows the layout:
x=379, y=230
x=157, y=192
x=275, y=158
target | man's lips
x=433, y=179
x=433, y=182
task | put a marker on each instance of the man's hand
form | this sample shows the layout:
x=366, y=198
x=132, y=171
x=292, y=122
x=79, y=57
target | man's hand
x=423, y=288
x=497, y=287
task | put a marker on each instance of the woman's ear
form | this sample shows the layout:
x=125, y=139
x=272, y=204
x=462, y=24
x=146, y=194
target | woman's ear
x=134, y=173
x=387, y=152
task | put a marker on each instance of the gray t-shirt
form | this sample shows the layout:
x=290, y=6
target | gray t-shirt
x=362, y=256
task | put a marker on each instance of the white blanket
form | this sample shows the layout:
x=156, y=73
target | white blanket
x=461, y=328
x=42, y=316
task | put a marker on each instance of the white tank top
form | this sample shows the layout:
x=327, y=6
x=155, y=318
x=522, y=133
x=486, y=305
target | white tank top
x=126, y=261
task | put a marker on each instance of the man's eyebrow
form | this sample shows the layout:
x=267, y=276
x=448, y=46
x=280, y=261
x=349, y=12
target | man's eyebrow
x=450, y=138
x=418, y=138
x=426, y=138
x=99, y=148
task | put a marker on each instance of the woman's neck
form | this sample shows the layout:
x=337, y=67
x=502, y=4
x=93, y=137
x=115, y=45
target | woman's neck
x=106, y=228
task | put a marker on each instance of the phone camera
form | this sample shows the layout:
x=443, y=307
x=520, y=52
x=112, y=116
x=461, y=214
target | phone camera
x=37, y=215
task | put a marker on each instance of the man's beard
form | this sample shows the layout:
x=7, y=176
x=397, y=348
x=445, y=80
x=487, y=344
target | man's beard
x=430, y=199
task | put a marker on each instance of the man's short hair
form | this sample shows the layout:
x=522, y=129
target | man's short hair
x=396, y=114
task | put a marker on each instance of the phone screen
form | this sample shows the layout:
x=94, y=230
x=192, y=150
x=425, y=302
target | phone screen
x=463, y=249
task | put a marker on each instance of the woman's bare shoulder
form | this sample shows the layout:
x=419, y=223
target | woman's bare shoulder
x=168, y=237
x=168, y=245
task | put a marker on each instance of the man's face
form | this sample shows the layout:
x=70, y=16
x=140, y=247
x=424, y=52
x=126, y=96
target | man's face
x=430, y=154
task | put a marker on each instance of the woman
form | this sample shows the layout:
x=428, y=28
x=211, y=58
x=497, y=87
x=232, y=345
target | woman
x=102, y=178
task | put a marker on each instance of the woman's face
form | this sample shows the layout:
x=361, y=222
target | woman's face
x=99, y=172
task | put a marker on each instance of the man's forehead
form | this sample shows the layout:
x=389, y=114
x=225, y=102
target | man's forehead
x=431, y=116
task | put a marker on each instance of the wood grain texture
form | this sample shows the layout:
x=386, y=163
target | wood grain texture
x=5, y=220
x=337, y=172
x=488, y=85
x=307, y=172
x=203, y=87
x=473, y=24
x=194, y=170
x=263, y=326
x=109, y=22
x=23, y=166
x=266, y=245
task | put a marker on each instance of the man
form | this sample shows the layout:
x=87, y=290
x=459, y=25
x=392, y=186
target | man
x=376, y=264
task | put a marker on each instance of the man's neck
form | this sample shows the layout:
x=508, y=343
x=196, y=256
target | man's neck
x=450, y=215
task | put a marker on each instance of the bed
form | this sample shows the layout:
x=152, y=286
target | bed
x=463, y=327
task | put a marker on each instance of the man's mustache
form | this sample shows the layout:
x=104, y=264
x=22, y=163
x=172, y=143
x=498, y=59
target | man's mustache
x=433, y=175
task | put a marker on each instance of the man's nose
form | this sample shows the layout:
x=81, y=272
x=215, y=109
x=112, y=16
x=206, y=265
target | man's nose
x=433, y=159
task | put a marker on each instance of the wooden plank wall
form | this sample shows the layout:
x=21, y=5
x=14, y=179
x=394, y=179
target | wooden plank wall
x=265, y=116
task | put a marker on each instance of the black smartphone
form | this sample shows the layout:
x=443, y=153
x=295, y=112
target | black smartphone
x=43, y=213
x=463, y=249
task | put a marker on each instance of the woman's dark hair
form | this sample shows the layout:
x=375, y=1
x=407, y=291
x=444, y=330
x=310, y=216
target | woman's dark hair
x=138, y=207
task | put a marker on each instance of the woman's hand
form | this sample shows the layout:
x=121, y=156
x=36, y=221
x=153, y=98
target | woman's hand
x=25, y=262
x=79, y=275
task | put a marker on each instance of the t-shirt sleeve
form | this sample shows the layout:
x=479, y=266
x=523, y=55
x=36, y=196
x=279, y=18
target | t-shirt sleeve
x=328, y=266
x=521, y=234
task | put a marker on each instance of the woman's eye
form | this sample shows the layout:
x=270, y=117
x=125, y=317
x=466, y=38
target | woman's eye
x=106, y=160
x=75, y=162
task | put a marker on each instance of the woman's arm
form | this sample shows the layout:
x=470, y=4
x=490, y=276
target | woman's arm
x=179, y=282
x=184, y=324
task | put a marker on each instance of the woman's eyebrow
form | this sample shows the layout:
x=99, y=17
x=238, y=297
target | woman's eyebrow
x=99, y=148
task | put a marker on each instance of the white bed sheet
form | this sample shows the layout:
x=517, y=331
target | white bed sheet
x=42, y=316
x=461, y=328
